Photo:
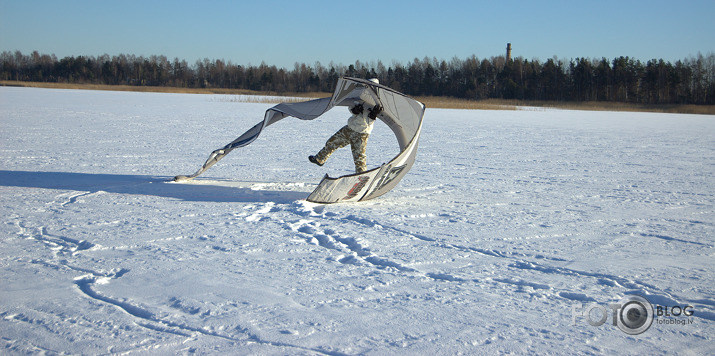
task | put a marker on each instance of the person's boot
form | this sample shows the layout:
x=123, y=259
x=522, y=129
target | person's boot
x=312, y=159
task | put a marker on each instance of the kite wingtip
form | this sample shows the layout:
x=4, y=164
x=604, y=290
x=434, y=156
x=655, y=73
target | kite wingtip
x=181, y=178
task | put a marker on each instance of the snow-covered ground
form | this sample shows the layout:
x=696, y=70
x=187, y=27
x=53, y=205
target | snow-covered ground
x=513, y=230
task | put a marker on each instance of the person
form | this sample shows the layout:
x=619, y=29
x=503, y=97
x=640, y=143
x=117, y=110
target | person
x=355, y=134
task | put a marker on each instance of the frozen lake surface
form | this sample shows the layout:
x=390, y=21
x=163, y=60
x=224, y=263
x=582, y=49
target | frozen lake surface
x=512, y=232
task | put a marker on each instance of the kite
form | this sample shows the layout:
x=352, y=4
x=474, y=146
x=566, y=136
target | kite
x=402, y=114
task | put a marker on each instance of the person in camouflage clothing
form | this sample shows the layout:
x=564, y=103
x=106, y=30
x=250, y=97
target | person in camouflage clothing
x=355, y=134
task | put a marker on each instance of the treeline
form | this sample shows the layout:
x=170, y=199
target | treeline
x=623, y=79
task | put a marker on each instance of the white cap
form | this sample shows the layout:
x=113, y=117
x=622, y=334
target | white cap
x=374, y=80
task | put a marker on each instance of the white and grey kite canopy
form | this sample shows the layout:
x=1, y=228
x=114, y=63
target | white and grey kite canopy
x=402, y=114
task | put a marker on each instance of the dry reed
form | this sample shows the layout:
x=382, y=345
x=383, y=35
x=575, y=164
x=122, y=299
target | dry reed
x=431, y=101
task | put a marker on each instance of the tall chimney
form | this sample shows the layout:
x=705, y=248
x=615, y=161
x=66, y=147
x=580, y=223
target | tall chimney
x=508, y=52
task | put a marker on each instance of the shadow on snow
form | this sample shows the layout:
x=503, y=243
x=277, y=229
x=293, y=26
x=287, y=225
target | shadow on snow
x=143, y=185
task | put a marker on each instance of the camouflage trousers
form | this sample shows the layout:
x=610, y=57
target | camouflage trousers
x=346, y=136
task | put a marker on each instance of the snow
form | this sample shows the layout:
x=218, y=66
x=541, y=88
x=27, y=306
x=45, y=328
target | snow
x=508, y=226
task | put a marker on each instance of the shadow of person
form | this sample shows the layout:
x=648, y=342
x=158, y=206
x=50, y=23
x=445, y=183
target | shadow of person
x=144, y=185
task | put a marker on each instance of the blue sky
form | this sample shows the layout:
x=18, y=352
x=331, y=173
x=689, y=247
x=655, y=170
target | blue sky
x=282, y=33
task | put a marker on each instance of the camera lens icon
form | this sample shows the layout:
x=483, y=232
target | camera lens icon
x=636, y=315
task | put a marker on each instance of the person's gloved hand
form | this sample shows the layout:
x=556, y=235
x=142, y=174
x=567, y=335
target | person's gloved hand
x=356, y=109
x=376, y=110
